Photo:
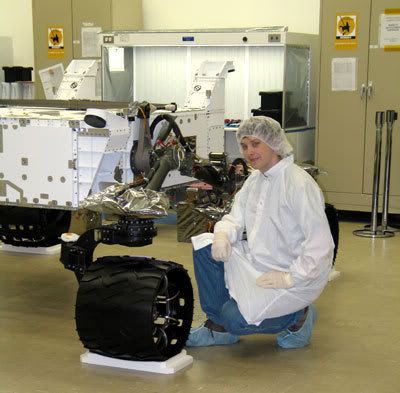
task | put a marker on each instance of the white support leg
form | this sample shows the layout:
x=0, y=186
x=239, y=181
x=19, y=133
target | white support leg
x=32, y=250
x=169, y=366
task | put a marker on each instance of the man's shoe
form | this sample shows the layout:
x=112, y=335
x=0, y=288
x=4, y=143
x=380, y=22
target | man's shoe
x=300, y=338
x=203, y=336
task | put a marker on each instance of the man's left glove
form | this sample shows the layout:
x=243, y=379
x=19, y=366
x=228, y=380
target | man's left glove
x=221, y=247
x=275, y=279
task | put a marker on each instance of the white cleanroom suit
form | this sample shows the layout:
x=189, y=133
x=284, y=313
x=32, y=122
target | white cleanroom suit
x=282, y=212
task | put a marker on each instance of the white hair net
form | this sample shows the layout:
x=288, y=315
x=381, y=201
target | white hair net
x=267, y=130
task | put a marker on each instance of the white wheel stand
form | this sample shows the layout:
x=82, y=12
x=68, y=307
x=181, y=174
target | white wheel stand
x=32, y=250
x=169, y=366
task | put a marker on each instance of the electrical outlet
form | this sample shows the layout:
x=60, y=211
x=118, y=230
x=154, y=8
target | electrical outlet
x=274, y=38
x=108, y=39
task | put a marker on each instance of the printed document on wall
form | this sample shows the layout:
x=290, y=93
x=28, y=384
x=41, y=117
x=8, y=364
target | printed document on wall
x=344, y=73
x=116, y=59
x=91, y=41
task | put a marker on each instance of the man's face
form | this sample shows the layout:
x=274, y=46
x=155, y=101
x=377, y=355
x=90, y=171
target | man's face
x=258, y=154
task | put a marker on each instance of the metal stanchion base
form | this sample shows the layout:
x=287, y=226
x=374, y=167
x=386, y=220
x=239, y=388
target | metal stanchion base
x=373, y=234
x=379, y=228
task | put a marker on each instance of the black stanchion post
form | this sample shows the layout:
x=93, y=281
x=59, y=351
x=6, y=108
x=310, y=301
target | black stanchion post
x=391, y=117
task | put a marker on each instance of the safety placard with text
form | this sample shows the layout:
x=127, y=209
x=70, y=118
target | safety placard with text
x=55, y=41
x=346, y=31
x=389, y=34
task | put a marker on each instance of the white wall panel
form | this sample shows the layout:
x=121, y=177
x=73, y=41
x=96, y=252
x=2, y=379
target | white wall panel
x=16, y=22
x=301, y=16
x=160, y=74
x=266, y=67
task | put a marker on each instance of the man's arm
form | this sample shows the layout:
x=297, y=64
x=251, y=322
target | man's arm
x=233, y=224
x=317, y=247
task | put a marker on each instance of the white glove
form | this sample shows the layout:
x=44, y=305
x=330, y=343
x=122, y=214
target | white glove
x=275, y=279
x=221, y=247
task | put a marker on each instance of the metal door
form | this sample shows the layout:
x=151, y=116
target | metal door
x=341, y=115
x=87, y=16
x=384, y=93
x=47, y=14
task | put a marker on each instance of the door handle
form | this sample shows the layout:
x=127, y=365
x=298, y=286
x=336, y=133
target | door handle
x=370, y=90
x=363, y=90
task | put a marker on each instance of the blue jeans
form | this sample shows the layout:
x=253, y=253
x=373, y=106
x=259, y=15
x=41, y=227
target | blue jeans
x=221, y=308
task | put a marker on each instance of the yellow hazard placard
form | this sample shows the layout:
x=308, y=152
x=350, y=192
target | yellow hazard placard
x=55, y=41
x=346, y=31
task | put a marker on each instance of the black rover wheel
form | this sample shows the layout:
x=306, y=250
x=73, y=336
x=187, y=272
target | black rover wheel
x=134, y=308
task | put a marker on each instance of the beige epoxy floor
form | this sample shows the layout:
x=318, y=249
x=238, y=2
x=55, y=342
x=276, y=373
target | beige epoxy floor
x=355, y=348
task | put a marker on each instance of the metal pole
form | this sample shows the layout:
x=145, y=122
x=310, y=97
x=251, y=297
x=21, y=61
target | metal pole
x=372, y=229
x=391, y=116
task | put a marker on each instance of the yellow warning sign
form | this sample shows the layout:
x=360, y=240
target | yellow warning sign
x=55, y=41
x=346, y=34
